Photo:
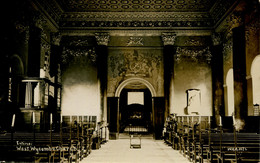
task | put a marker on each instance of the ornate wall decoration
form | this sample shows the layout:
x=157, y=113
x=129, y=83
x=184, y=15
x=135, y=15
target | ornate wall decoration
x=135, y=41
x=194, y=54
x=168, y=38
x=133, y=63
x=80, y=55
x=102, y=38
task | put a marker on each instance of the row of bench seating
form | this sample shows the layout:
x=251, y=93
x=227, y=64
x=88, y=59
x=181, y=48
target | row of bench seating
x=194, y=137
x=73, y=141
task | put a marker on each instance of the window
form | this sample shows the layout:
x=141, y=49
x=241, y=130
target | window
x=135, y=98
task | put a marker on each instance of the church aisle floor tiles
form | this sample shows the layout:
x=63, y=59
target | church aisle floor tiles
x=151, y=151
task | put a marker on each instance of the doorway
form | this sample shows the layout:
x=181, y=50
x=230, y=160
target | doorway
x=135, y=109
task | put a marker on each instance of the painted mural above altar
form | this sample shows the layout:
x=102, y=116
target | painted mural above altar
x=145, y=63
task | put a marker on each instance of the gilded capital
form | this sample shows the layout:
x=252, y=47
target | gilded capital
x=216, y=39
x=102, y=38
x=55, y=38
x=168, y=38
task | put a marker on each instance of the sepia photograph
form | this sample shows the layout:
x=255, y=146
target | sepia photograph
x=130, y=81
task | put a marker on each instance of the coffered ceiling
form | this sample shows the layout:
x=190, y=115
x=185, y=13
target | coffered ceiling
x=71, y=15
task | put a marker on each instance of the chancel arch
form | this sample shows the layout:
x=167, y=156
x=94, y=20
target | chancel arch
x=131, y=80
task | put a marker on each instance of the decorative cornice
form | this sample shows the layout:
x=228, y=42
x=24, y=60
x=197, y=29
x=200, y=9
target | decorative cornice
x=168, y=38
x=216, y=38
x=134, y=5
x=110, y=24
x=134, y=16
x=135, y=41
x=102, y=38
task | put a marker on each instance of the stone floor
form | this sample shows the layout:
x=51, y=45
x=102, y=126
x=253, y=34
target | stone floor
x=151, y=151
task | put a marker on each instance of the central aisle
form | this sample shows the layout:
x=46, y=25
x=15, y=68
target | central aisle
x=119, y=151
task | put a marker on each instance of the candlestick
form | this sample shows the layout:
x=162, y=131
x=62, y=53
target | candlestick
x=188, y=119
x=209, y=119
x=33, y=117
x=199, y=119
x=192, y=119
x=13, y=120
x=70, y=119
x=51, y=118
x=60, y=118
x=220, y=121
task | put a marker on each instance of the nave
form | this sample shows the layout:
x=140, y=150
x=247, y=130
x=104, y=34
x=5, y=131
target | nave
x=151, y=151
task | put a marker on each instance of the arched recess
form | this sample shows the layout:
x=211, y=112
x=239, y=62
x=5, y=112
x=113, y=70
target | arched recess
x=127, y=81
x=16, y=71
x=255, y=73
x=230, y=92
x=16, y=64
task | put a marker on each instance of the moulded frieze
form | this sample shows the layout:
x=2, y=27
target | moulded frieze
x=135, y=41
x=79, y=42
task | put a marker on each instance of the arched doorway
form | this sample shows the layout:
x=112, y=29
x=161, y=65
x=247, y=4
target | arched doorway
x=255, y=73
x=135, y=106
x=230, y=92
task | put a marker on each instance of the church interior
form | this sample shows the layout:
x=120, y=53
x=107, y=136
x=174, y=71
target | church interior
x=79, y=74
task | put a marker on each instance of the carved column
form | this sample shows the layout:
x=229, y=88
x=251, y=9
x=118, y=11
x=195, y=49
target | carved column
x=55, y=65
x=102, y=55
x=168, y=55
x=35, y=45
x=217, y=77
x=240, y=82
